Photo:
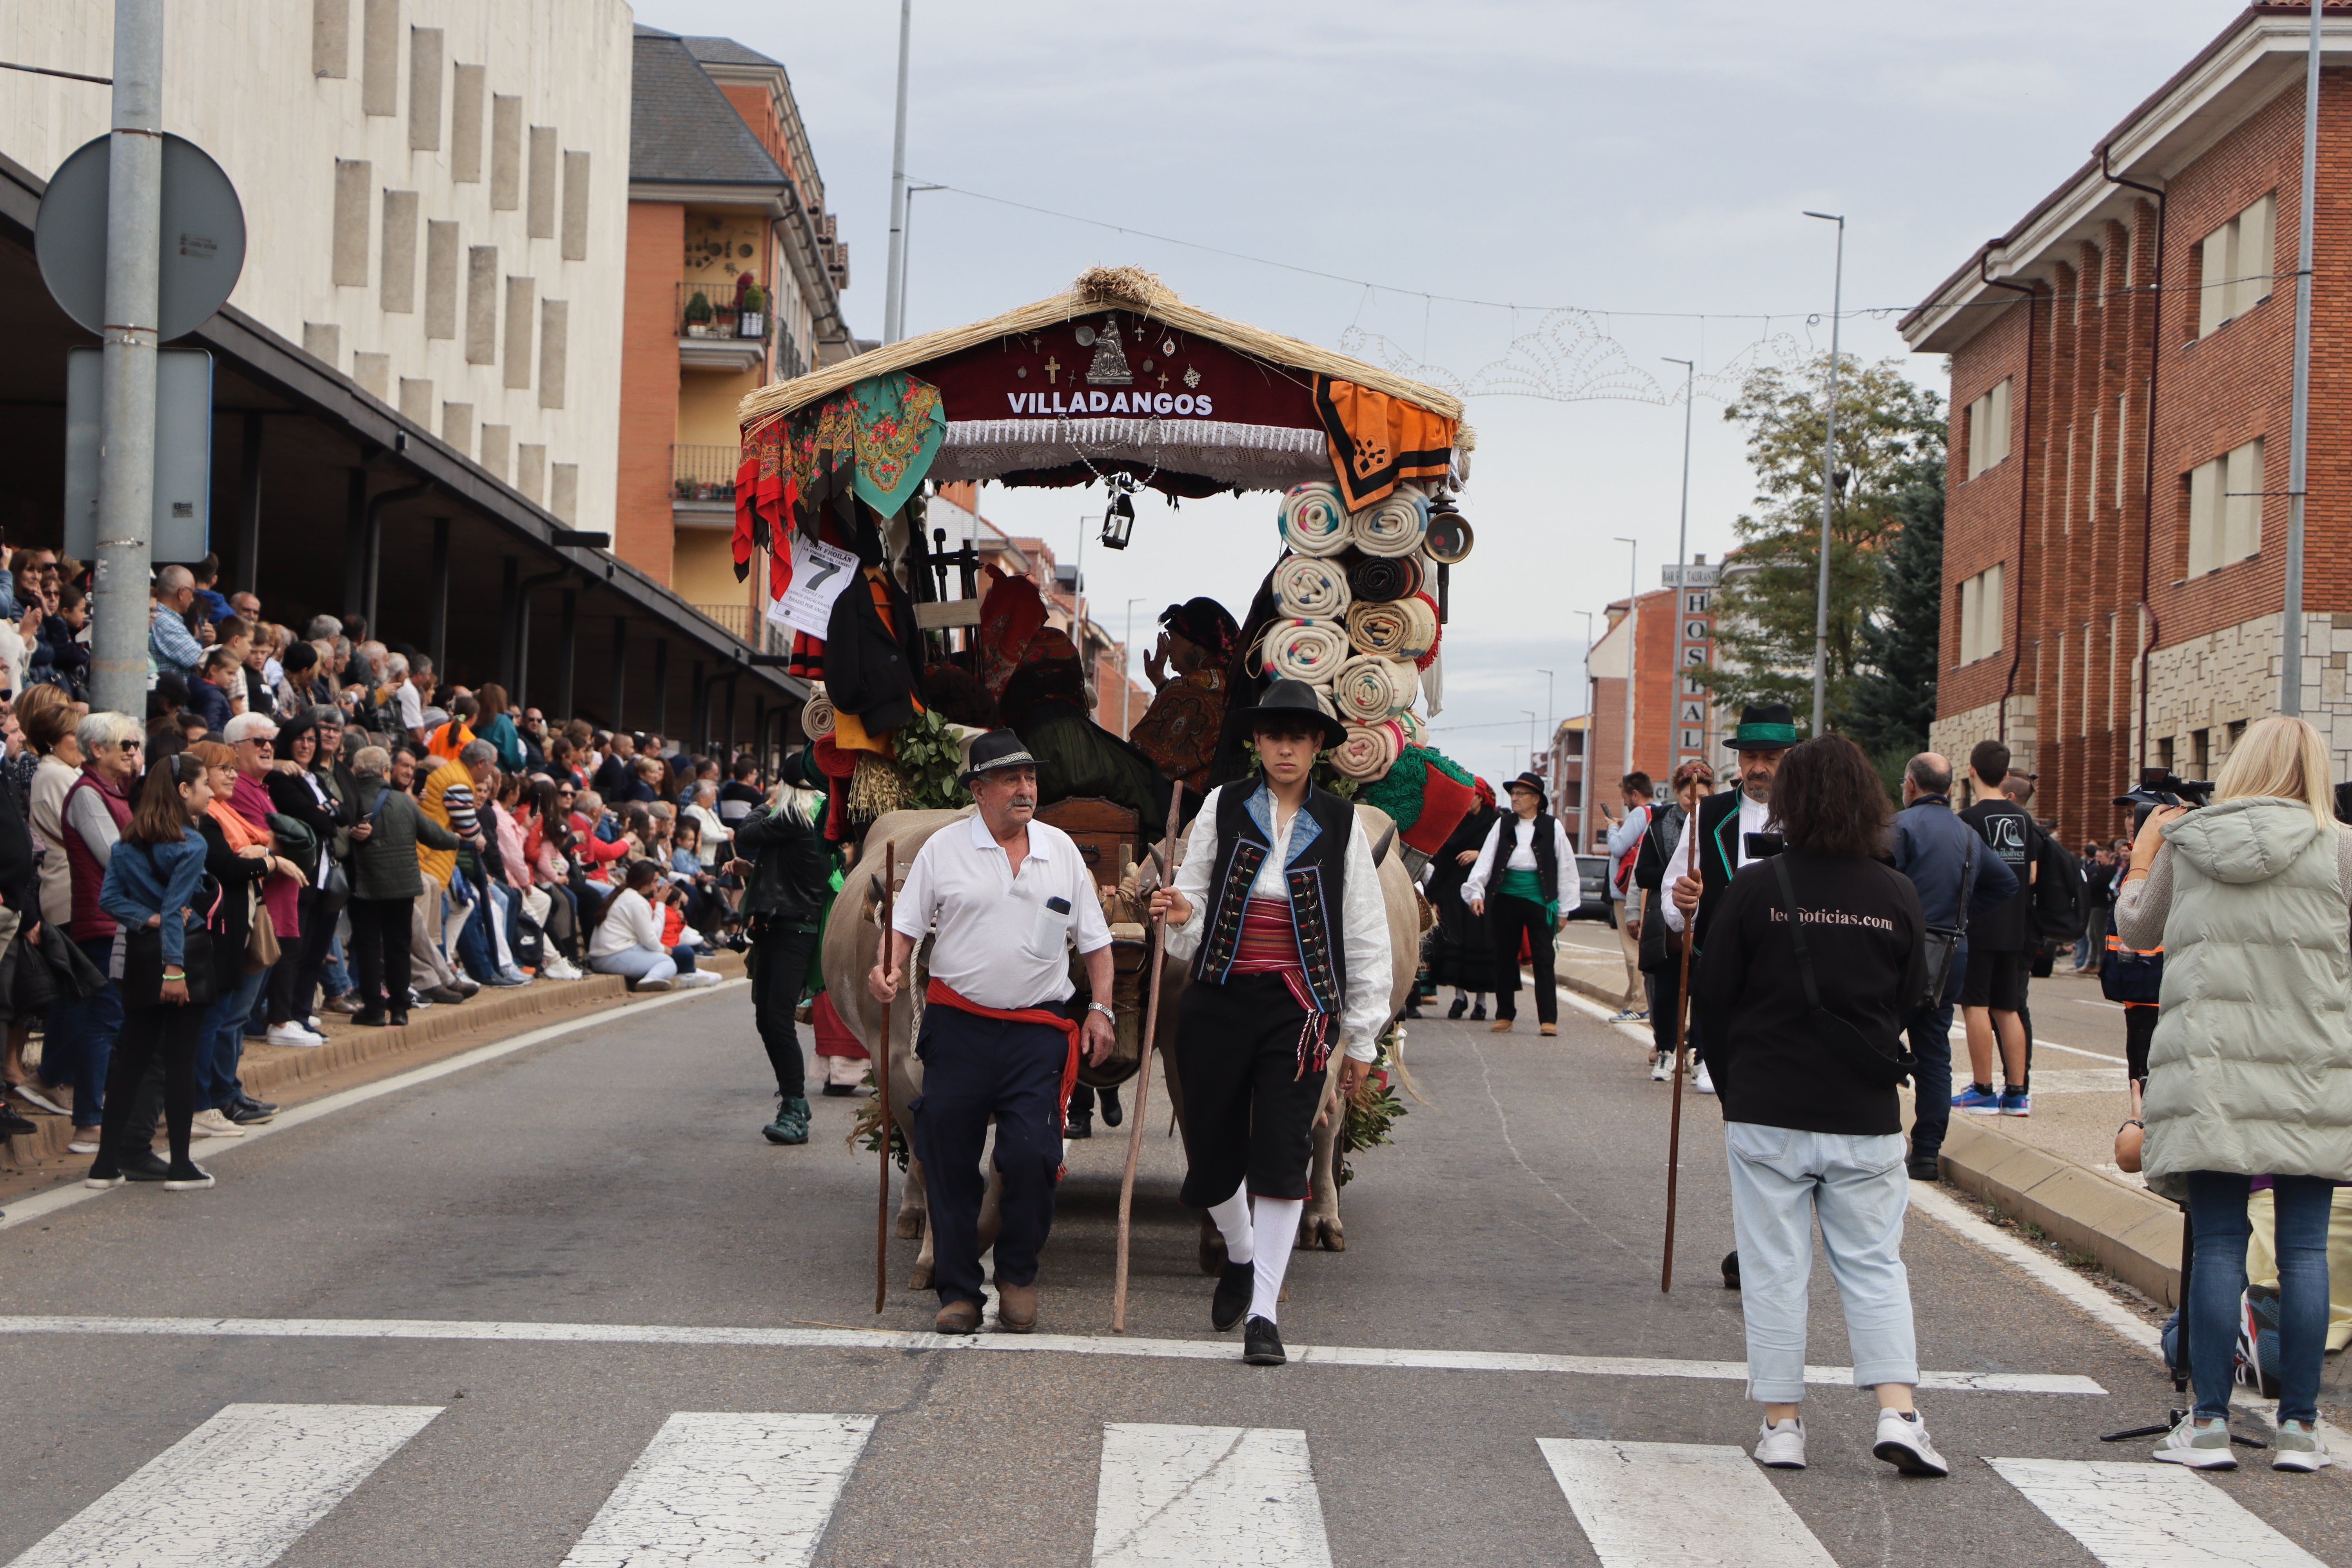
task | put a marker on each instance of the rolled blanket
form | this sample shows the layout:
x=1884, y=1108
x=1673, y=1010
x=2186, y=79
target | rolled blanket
x=1314, y=519
x=1310, y=588
x=1381, y=579
x=1379, y=628
x=1419, y=643
x=1311, y=651
x=1368, y=751
x=817, y=714
x=1416, y=734
x=1369, y=689
x=1394, y=527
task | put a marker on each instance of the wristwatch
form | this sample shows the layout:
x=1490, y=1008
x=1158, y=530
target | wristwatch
x=1106, y=1012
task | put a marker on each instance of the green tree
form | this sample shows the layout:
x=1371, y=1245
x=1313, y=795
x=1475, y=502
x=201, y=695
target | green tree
x=1893, y=699
x=1890, y=430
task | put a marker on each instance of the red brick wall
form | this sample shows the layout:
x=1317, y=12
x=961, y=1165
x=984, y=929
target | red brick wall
x=2073, y=618
x=643, y=533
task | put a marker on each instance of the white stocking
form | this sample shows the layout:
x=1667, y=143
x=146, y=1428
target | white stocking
x=1232, y=1218
x=1277, y=1233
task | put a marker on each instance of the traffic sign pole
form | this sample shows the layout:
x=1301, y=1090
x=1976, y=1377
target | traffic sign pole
x=126, y=480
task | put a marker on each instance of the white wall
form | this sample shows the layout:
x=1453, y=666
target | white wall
x=238, y=83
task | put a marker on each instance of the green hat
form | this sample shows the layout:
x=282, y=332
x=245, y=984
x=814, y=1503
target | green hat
x=1764, y=727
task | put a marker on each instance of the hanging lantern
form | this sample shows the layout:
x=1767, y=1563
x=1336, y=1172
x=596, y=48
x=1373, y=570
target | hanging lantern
x=1119, y=521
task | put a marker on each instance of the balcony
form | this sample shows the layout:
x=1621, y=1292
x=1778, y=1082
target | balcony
x=735, y=618
x=702, y=485
x=712, y=334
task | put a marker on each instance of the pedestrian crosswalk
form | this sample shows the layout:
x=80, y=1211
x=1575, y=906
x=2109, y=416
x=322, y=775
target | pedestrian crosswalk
x=722, y=1489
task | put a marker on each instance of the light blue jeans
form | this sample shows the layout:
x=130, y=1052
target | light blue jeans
x=642, y=965
x=1781, y=1181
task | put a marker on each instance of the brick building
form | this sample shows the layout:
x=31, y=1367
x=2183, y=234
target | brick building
x=2121, y=378
x=1671, y=633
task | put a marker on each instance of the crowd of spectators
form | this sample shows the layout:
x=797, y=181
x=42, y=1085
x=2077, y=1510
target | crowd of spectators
x=372, y=839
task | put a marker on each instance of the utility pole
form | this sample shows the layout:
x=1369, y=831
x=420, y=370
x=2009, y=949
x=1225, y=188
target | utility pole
x=893, y=303
x=1632, y=625
x=1551, y=729
x=126, y=470
x=1829, y=486
x=2291, y=631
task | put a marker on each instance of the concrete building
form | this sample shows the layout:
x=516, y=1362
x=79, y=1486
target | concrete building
x=2121, y=376
x=418, y=380
x=734, y=275
x=1669, y=633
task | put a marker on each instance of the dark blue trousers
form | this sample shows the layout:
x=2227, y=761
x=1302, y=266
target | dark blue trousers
x=1930, y=1031
x=975, y=1068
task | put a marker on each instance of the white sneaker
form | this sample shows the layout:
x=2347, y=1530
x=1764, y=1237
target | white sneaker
x=1782, y=1447
x=85, y=1141
x=695, y=980
x=1662, y=1068
x=1700, y=1080
x=647, y=985
x=1904, y=1445
x=2200, y=1445
x=559, y=967
x=293, y=1034
x=2299, y=1447
x=213, y=1124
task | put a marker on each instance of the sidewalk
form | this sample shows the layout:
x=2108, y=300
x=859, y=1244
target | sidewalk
x=352, y=1054
x=2053, y=1170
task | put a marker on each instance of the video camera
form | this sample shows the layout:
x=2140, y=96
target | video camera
x=2162, y=786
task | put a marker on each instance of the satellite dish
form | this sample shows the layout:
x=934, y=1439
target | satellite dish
x=202, y=237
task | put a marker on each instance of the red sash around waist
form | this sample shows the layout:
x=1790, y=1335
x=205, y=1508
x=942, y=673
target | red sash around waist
x=1269, y=945
x=945, y=995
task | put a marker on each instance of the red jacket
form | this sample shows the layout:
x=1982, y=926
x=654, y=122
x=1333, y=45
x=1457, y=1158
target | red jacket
x=89, y=922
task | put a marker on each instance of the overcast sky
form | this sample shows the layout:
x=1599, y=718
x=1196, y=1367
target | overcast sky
x=1615, y=158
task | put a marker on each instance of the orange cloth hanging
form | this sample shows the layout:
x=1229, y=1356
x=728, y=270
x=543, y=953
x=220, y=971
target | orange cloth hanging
x=1378, y=440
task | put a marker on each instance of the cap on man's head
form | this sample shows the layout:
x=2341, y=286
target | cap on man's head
x=996, y=749
x=250, y=726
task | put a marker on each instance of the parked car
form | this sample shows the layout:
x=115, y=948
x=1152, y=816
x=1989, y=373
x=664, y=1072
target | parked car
x=1591, y=888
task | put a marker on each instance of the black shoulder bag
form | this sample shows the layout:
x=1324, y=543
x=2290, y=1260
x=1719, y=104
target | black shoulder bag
x=1845, y=1042
x=1941, y=944
x=142, y=955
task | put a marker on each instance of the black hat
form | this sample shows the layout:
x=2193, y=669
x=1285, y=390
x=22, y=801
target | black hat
x=1530, y=781
x=1764, y=727
x=1289, y=699
x=996, y=749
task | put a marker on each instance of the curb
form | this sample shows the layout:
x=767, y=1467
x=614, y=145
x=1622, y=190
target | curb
x=348, y=1046
x=2135, y=1235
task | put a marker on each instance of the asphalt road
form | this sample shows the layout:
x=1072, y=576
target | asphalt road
x=398, y=1385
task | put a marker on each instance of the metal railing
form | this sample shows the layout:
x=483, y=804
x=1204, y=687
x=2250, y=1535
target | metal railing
x=703, y=473
x=707, y=310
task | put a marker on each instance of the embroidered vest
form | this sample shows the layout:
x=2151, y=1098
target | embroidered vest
x=1317, y=876
x=1718, y=855
x=1541, y=845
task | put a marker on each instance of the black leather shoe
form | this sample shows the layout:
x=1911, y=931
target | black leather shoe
x=369, y=1018
x=1235, y=1283
x=1082, y=1125
x=1731, y=1269
x=13, y=1125
x=1478, y=1013
x=145, y=1165
x=1262, y=1344
x=1113, y=1112
x=397, y=1021
x=837, y=1091
x=1925, y=1168
x=252, y=1104
x=1461, y=1006
x=245, y=1114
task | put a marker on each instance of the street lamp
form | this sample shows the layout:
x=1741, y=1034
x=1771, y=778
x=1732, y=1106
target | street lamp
x=1551, y=725
x=1531, y=738
x=1829, y=485
x=907, y=243
x=1633, y=625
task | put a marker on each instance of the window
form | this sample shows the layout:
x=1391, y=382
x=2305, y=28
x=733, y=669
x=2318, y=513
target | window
x=353, y=186
x=505, y=153
x=554, y=321
x=2235, y=264
x=1980, y=609
x=374, y=375
x=457, y=427
x=2201, y=751
x=497, y=440
x=575, y=206
x=400, y=251
x=530, y=470
x=417, y=401
x=543, y=161
x=2225, y=510
x=563, y=490
x=379, y=57
x=330, y=37
x=2164, y=754
x=425, y=90
x=440, y=279
x=482, y=305
x=1988, y=429
x=2123, y=474
x=519, y=324
x=467, y=91
x=2237, y=732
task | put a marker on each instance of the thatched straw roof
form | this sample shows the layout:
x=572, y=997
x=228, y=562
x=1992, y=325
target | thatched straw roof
x=1128, y=286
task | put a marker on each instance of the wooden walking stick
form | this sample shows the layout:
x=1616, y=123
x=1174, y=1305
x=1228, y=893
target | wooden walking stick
x=1143, y=1069
x=882, y=1078
x=1682, y=1032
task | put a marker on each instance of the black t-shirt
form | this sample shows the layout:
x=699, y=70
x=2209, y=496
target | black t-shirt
x=1769, y=1059
x=2010, y=831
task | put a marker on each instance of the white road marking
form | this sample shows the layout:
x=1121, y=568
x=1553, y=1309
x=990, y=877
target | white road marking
x=43, y=1205
x=1066, y=1344
x=1679, y=1505
x=721, y=1491
x=2114, y=1056
x=1207, y=1497
x=237, y=1492
x=1583, y=1004
x=2094, y=1002
x=2149, y=1515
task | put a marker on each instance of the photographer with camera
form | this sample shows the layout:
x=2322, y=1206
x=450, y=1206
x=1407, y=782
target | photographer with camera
x=2000, y=945
x=2249, y=1072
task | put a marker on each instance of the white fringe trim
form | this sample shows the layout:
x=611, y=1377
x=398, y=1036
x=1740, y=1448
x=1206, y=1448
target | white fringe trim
x=1255, y=457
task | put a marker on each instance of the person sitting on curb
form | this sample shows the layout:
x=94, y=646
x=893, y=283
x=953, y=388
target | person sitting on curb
x=627, y=938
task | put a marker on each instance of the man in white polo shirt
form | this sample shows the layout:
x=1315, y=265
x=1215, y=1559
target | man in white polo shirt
x=1007, y=895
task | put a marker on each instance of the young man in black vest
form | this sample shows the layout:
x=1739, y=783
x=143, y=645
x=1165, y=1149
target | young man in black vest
x=1278, y=907
x=1523, y=871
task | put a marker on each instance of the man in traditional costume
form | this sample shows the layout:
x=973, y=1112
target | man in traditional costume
x=1278, y=906
x=1006, y=895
